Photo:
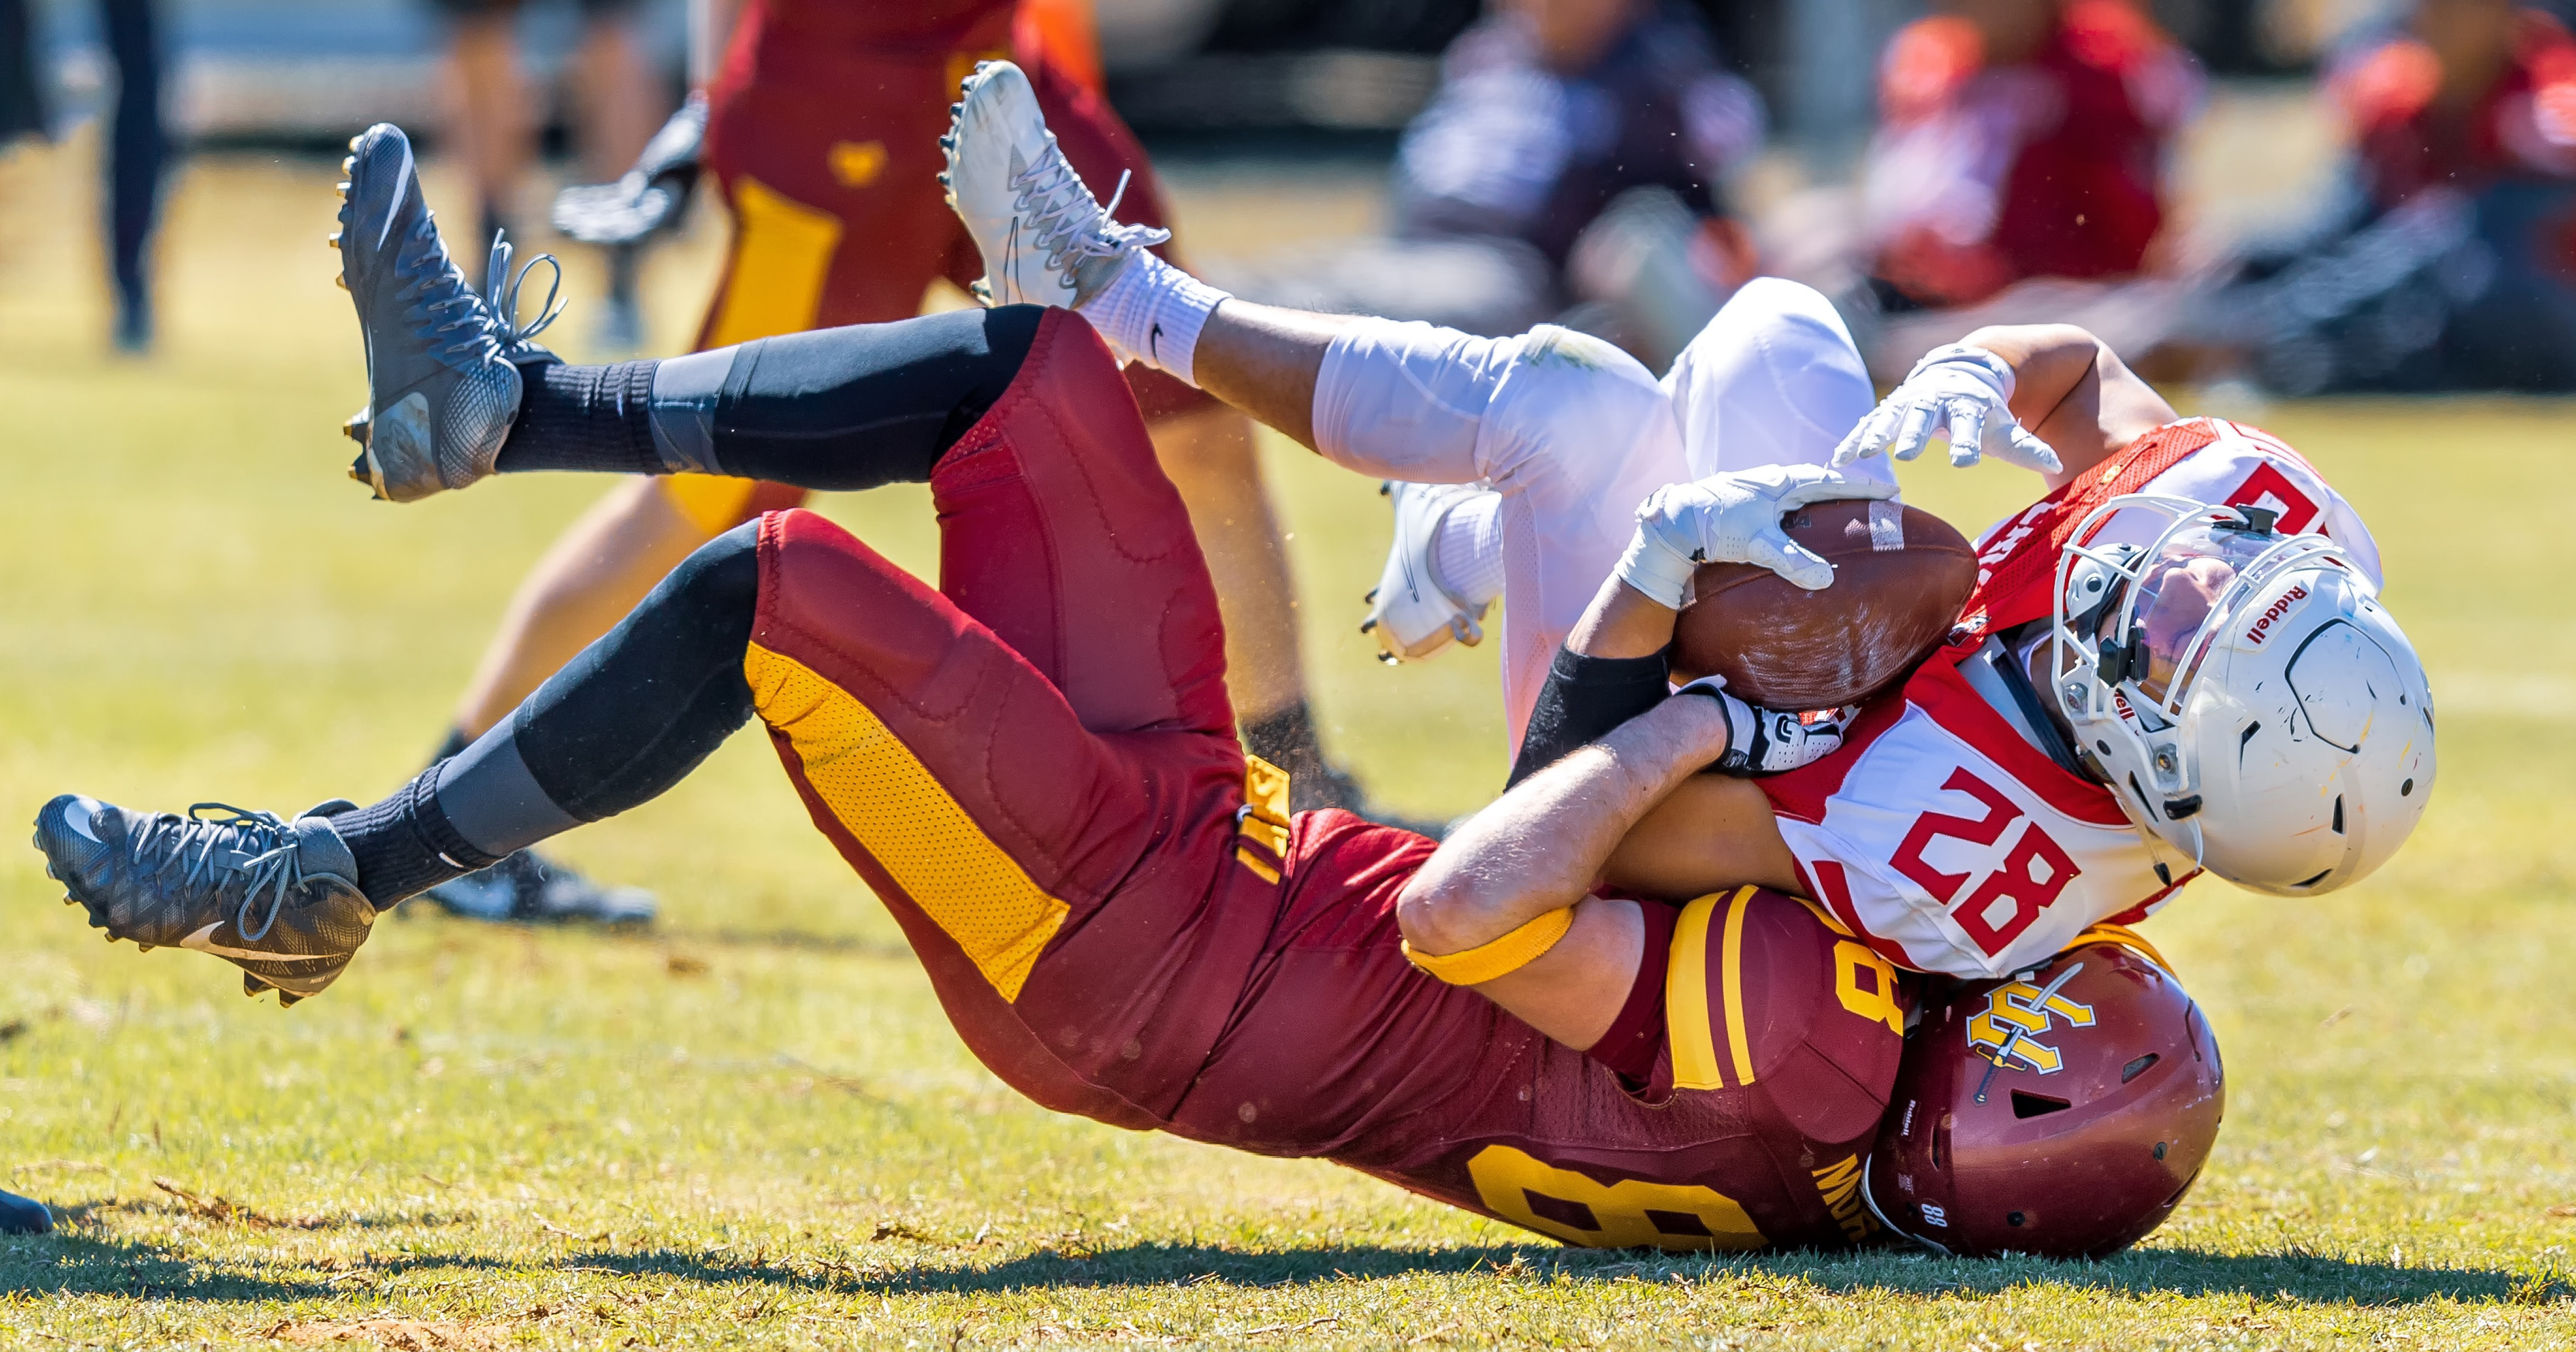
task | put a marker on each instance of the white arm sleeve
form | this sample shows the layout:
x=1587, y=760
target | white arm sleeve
x=1407, y=401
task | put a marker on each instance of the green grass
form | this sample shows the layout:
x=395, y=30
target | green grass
x=755, y=1127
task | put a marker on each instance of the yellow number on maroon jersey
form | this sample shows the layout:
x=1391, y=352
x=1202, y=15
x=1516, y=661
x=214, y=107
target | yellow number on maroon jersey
x=1874, y=999
x=1631, y=1213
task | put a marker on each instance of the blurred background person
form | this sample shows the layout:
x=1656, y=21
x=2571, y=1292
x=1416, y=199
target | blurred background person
x=2019, y=140
x=493, y=113
x=137, y=149
x=138, y=157
x=1570, y=167
x=2447, y=260
x=22, y=103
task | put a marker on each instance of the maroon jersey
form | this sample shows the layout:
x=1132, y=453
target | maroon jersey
x=1782, y=1038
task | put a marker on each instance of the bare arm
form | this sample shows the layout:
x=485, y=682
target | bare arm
x=1265, y=360
x=1540, y=847
x=2073, y=392
x=1623, y=622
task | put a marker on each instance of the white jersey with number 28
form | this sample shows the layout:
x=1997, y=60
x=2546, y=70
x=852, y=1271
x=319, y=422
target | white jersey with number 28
x=1939, y=832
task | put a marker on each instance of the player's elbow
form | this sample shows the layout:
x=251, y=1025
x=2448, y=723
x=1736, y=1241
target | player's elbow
x=1427, y=915
x=1449, y=910
x=1469, y=893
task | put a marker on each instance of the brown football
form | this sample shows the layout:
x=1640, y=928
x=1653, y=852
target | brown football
x=1901, y=576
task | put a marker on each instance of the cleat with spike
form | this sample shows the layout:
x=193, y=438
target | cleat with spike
x=1412, y=612
x=1045, y=239
x=277, y=898
x=443, y=362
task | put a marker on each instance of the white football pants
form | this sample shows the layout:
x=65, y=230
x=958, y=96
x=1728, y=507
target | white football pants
x=1572, y=433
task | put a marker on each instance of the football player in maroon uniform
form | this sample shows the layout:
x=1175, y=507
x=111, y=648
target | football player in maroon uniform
x=1035, y=767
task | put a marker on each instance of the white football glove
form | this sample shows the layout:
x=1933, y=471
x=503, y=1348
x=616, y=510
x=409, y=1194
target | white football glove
x=1733, y=518
x=1964, y=393
x=1763, y=741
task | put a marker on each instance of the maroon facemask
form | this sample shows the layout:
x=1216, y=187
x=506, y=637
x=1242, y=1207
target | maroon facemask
x=2063, y=1112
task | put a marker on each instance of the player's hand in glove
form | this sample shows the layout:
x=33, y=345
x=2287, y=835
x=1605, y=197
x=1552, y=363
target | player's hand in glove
x=1963, y=393
x=653, y=195
x=1763, y=741
x=1733, y=518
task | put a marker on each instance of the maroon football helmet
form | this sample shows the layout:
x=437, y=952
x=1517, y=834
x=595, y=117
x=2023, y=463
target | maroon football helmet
x=2063, y=1112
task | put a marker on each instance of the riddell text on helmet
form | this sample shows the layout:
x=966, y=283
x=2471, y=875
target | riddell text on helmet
x=2298, y=592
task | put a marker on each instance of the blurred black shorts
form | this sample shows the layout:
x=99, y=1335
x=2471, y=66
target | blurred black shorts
x=468, y=9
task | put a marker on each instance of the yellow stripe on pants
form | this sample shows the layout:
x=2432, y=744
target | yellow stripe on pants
x=901, y=815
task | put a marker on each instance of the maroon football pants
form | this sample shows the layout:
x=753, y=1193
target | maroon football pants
x=1035, y=765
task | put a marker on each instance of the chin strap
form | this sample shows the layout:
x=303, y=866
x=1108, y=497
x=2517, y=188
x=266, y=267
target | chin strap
x=1871, y=1201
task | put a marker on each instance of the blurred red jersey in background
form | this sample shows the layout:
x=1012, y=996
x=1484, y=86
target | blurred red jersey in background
x=2479, y=117
x=1994, y=164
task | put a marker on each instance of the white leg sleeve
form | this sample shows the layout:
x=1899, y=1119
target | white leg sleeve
x=1773, y=380
x=1570, y=430
x=1407, y=401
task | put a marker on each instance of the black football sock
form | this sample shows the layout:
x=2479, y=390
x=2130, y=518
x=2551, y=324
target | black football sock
x=1287, y=739
x=405, y=845
x=833, y=409
x=584, y=418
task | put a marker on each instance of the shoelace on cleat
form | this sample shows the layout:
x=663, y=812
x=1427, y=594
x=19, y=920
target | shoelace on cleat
x=504, y=302
x=442, y=304
x=1062, y=218
x=276, y=869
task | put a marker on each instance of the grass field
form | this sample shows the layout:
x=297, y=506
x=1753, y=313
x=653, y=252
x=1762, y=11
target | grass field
x=753, y=1126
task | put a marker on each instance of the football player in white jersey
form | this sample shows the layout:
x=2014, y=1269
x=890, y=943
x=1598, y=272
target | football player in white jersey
x=2174, y=660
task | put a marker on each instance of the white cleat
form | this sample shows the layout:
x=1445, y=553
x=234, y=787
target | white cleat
x=1413, y=613
x=1045, y=239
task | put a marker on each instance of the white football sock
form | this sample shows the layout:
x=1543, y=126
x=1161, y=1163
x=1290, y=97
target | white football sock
x=1152, y=312
x=1467, y=550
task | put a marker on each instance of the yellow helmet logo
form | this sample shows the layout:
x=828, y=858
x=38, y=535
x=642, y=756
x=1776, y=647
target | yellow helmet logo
x=2018, y=1014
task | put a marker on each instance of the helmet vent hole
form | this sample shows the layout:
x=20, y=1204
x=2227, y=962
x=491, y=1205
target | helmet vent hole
x=2135, y=1069
x=2406, y=788
x=2160, y=1150
x=2026, y=1104
x=2013, y=1219
x=2311, y=881
x=2338, y=821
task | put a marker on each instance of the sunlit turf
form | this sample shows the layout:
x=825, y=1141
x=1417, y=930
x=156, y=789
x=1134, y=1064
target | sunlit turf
x=754, y=1125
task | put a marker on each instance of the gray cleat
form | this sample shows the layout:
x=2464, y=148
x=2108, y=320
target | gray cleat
x=277, y=899
x=442, y=361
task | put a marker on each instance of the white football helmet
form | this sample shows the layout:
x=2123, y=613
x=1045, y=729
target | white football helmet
x=2244, y=693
